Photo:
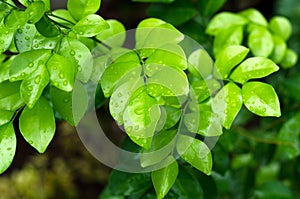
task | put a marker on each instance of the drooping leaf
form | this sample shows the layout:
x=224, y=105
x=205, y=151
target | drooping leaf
x=254, y=16
x=90, y=26
x=228, y=59
x=5, y=116
x=35, y=11
x=281, y=26
x=10, y=96
x=290, y=59
x=209, y=7
x=200, y=63
x=252, y=68
x=62, y=72
x=279, y=50
x=223, y=21
x=81, y=8
x=227, y=104
x=8, y=144
x=37, y=125
x=46, y=27
x=163, y=179
x=195, y=152
x=260, y=42
x=261, y=99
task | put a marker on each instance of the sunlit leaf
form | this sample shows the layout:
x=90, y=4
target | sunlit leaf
x=254, y=16
x=10, y=96
x=260, y=42
x=82, y=8
x=281, y=26
x=8, y=144
x=5, y=116
x=279, y=50
x=290, y=59
x=200, y=63
x=35, y=11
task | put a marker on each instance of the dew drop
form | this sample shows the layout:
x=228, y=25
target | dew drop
x=37, y=79
x=79, y=68
x=136, y=127
x=66, y=100
x=65, y=83
x=61, y=75
x=1, y=42
x=72, y=52
x=30, y=142
x=13, y=79
x=9, y=148
x=30, y=88
x=27, y=38
x=30, y=65
x=119, y=95
x=36, y=45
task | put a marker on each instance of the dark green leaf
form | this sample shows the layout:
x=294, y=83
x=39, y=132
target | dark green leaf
x=8, y=144
x=37, y=125
x=46, y=27
x=10, y=96
x=82, y=8
x=5, y=116
x=154, y=1
x=209, y=7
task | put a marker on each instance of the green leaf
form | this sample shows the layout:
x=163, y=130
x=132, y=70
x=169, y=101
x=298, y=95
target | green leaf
x=10, y=96
x=70, y=105
x=24, y=38
x=41, y=42
x=62, y=72
x=37, y=125
x=279, y=50
x=6, y=36
x=260, y=41
x=231, y=36
x=223, y=21
x=141, y=117
x=4, y=68
x=292, y=86
x=154, y=1
x=46, y=27
x=65, y=17
x=5, y=9
x=209, y=7
x=200, y=63
x=90, y=26
x=79, y=55
x=175, y=13
x=172, y=116
x=81, y=8
x=254, y=16
x=33, y=85
x=261, y=99
x=281, y=26
x=290, y=59
x=252, y=68
x=5, y=116
x=227, y=103
x=27, y=62
x=289, y=133
x=200, y=88
x=15, y=19
x=115, y=35
x=228, y=58
x=162, y=146
x=163, y=179
x=35, y=11
x=195, y=152
x=8, y=144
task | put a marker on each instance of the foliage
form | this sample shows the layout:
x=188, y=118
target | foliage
x=166, y=96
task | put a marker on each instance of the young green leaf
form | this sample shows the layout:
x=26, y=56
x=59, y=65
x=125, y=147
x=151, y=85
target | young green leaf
x=254, y=16
x=200, y=63
x=279, y=49
x=163, y=179
x=261, y=99
x=10, y=96
x=227, y=104
x=46, y=27
x=5, y=116
x=35, y=11
x=195, y=152
x=79, y=55
x=62, y=72
x=81, y=8
x=90, y=26
x=63, y=17
x=15, y=19
x=290, y=59
x=8, y=144
x=6, y=36
x=281, y=26
x=228, y=58
x=260, y=42
x=24, y=38
x=37, y=125
x=252, y=68
x=223, y=21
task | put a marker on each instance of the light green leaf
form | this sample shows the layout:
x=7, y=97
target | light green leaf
x=195, y=152
x=6, y=36
x=209, y=7
x=81, y=8
x=231, y=36
x=5, y=9
x=252, y=68
x=115, y=35
x=24, y=37
x=10, y=96
x=163, y=179
x=79, y=55
x=279, y=49
x=290, y=59
x=172, y=116
x=35, y=11
x=46, y=27
x=4, y=69
x=228, y=58
x=223, y=21
x=65, y=14
x=261, y=99
x=62, y=72
x=70, y=105
x=281, y=26
x=260, y=42
x=200, y=63
x=15, y=19
x=141, y=117
x=33, y=85
x=200, y=89
x=254, y=16
x=8, y=144
x=5, y=116
x=37, y=125
x=41, y=42
x=90, y=26
x=27, y=62
x=227, y=103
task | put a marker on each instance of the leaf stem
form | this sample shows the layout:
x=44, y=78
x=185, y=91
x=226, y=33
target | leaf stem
x=61, y=18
